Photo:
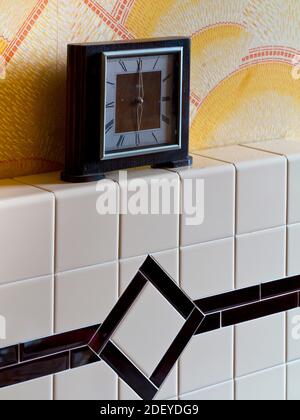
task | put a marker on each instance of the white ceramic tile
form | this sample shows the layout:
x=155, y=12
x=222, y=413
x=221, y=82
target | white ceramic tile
x=208, y=201
x=260, y=257
x=293, y=381
x=259, y=344
x=261, y=186
x=293, y=250
x=207, y=269
x=37, y=390
x=26, y=232
x=85, y=296
x=27, y=307
x=267, y=385
x=208, y=360
x=220, y=392
x=148, y=225
x=83, y=236
x=291, y=150
x=293, y=335
x=151, y=325
x=93, y=382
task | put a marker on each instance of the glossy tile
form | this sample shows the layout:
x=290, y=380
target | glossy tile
x=293, y=381
x=260, y=345
x=206, y=361
x=261, y=186
x=259, y=310
x=219, y=392
x=207, y=269
x=266, y=385
x=293, y=246
x=34, y=369
x=9, y=356
x=28, y=309
x=228, y=300
x=279, y=287
x=260, y=257
x=38, y=389
x=94, y=382
x=95, y=239
x=211, y=322
x=26, y=232
x=85, y=296
x=82, y=357
x=208, y=201
x=147, y=224
x=291, y=150
x=56, y=343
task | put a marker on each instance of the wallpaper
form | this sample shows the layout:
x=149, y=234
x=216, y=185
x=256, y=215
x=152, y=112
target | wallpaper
x=245, y=68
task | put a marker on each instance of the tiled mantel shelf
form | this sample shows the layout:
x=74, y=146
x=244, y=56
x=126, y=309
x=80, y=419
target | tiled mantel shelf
x=228, y=288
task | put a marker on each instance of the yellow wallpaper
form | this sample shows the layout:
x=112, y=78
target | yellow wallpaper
x=243, y=55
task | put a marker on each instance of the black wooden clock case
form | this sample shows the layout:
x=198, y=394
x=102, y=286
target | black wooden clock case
x=84, y=103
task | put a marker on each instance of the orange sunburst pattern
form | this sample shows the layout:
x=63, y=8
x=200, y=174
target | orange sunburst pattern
x=242, y=56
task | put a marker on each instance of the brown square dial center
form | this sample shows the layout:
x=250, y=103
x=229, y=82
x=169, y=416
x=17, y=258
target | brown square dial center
x=128, y=95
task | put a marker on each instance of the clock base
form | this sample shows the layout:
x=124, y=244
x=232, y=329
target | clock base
x=175, y=163
x=81, y=178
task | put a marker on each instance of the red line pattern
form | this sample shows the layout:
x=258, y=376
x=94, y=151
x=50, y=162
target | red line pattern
x=24, y=30
x=270, y=53
x=195, y=100
x=109, y=19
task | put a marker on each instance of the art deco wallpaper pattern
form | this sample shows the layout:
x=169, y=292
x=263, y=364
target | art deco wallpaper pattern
x=242, y=65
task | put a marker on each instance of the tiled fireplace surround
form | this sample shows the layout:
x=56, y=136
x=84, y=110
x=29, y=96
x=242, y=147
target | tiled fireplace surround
x=127, y=307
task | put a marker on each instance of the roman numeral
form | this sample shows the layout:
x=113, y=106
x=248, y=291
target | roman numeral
x=121, y=141
x=109, y=126
x=139, y=65
x=155, y=64
x=155, y=138
x=110, y=105
x=122, y=64
x=137, y=139
x=110, y=83
x=166, y=119
x=167, y=78
x=166, y=98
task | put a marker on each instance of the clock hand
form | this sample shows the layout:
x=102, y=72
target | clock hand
x=140, y=100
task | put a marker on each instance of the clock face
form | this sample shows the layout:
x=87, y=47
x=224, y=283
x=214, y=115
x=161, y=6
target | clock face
x=142, y=103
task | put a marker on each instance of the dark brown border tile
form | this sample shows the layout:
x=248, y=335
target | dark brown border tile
x=259, y=310
x=128, y=372
x=228, y=300
x=9, y=356
x=82, y=357
x=102, y=336
x=211, y=322
x=56, y=343
x=167, y=287
x=35, y=369
x=280, y=287
x=172, y=355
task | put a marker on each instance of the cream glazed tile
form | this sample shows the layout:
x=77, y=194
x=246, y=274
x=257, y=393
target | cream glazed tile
x=85, y=234
x=291, y=150
x=293, y=381
x=261, y=187
x=207, y=269
x=149, y=207
x=93, y=382
x=208, y=360
x=85, y=296
x=151, y=325
x=38, y=389
x=26, y=232
x=27, y=307
x=260, y=257
x=259, y=344
x=208, y=201
x=269, y=385
x=220, y=392
x=293, y=248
